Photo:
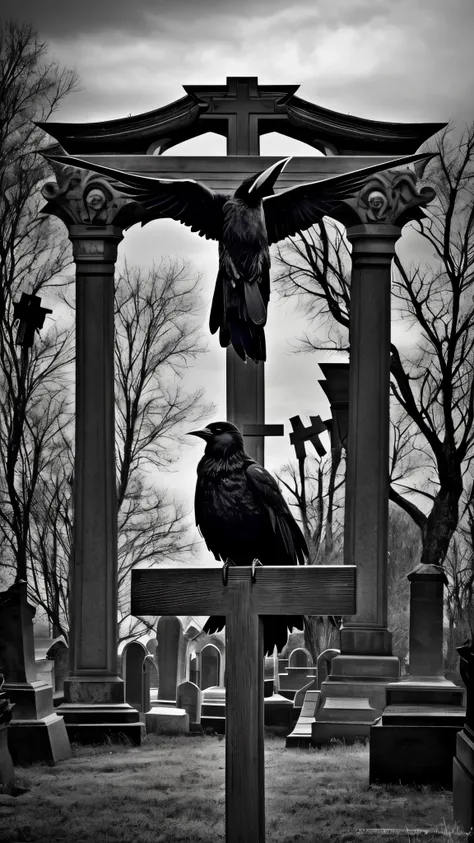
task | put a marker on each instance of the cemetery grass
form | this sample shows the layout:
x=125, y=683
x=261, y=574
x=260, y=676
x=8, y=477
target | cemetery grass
x=171, y=790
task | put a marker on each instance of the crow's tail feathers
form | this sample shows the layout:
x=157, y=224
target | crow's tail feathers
x=276, y=629
x=239, y=313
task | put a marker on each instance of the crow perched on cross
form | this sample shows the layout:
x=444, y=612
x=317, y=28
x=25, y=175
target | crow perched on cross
x=244, y=518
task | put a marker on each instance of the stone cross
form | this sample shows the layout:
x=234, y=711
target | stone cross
x=242, y=106
x=30, y=316
x=277, y=590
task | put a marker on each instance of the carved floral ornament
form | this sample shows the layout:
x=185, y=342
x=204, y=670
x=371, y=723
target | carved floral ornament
x=79, y=197
x=391, y=197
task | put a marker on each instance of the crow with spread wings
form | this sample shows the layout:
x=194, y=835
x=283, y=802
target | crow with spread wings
x=245, y=225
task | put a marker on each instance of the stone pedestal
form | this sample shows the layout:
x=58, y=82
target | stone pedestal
x=463, y=763
x=6, y=763
x=414, y=741
x=94, y=702
x=463, y=780
x=353, y=696
x=36, y=732
x=167, y=720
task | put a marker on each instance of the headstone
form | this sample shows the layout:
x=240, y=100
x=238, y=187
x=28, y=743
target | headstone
x=189, y=698
x=299, y=658
x=6, y=763
x=170, y=652
x=36, y=732
x=58, y=653
x=165, y=717
x=152, y=646
x=210, y=666
x=134, y=673
x=194, y=672
x=463, y=763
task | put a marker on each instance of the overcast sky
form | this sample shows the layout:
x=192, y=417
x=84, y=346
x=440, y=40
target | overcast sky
x=408, y=60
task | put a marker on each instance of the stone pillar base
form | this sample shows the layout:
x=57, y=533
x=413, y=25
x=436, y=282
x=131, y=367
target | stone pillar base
x=44, y=739
x=463, y=780
x=415, y=739
x=98, y=723
x=36, y=732
x=353, y=697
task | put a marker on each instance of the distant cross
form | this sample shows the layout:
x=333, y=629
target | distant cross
x=242, y=106
x=277, y=590
x=302, y=434
x=30, y=316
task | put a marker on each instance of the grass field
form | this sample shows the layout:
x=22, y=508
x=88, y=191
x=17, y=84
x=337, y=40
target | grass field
x=171, y=790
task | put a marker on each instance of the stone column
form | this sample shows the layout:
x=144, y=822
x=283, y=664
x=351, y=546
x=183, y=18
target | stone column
x=353, y=696
x=94, y=701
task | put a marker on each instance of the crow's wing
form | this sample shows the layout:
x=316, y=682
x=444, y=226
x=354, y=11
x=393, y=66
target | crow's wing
x=185, y=200
x=201, y=523
x=298, y=208
x=271, y=501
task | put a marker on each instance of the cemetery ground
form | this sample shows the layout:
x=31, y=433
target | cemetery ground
x=171, y=790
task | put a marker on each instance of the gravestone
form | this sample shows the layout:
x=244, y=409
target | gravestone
x=165, y=716
x=210, y=666
x=189, y=698
x=58, y=653
x=194, y=671
x=299, y=658
x=136, y=676
x=6, y=763
x=463, y=763
x=36, y=732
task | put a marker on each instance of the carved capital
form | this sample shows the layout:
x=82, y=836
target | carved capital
x=79, y=197
x=389, y=197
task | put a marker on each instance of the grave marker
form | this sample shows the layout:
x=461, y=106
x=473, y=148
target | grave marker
x=282, y=590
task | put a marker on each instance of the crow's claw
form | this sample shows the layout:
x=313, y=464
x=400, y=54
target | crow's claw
x=225, y=570
x=255, y=562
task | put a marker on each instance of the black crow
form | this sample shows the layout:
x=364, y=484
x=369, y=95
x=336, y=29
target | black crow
x=244, y=225
x=244, y=518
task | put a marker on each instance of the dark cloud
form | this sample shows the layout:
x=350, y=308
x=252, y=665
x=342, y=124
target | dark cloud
x=56, y=19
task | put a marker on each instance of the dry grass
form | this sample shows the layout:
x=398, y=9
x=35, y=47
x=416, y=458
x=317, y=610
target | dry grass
x=171, y=790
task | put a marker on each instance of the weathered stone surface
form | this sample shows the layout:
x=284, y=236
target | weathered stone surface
x=164, y=720
x=189, y=698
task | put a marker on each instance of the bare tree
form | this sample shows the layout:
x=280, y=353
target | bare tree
x=433, y=385
x=157, y=333
x=314, y=488
x=31, y=259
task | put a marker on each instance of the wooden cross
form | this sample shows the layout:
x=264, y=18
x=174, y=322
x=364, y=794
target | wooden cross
x=302, y=434
x=277, y=590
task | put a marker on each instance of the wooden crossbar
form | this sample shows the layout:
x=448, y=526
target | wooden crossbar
x=277, y=590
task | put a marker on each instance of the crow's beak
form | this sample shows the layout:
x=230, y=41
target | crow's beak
x=265, y=181
x=205, y=434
